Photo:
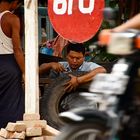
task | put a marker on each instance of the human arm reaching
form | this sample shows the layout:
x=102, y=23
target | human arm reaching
x=52, y=65
x=75, y=81
x=133, y=23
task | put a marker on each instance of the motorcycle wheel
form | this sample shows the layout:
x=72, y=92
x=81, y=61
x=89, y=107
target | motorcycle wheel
x=84, y=131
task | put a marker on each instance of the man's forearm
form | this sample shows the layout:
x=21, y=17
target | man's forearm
x=133, y=23
x=20, y=60
x=89, y=76
x=44, y=67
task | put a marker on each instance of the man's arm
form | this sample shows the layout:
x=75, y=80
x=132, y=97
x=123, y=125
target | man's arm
x=18, y=53
x=52, y=65
x=133, y=23
x=75, y=81
x=89, y=76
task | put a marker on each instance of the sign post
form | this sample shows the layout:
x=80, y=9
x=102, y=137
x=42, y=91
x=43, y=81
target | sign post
x=31, y=57
x=76, y=20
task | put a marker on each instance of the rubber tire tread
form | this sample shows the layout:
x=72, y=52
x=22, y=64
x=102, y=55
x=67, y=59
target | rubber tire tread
x=53, y=94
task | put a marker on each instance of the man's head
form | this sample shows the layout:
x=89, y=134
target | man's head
x=75, y=55
x=10, y=1
x=14, y=4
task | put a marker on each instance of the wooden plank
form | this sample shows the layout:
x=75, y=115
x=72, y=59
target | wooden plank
x=31, y=57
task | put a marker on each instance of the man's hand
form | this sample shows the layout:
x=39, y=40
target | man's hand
x=57, y=67
x=52, y=65
x=72, y=84
x=104, y=36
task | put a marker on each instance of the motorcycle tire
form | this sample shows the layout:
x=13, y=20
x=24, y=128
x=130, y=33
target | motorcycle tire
x=95, y=130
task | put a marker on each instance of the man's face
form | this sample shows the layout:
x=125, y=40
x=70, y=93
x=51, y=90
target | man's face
x=75, y=59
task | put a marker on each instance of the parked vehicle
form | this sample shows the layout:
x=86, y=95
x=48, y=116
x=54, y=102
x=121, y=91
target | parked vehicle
x=117, y=94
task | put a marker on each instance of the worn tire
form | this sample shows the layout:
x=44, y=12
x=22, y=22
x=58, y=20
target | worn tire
x=55, y=100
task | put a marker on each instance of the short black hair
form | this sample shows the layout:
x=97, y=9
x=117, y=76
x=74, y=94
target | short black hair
x=78, y=47
x=19, y=1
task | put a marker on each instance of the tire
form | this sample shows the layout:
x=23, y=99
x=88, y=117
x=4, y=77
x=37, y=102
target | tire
x=55, y=100
x=95, y=130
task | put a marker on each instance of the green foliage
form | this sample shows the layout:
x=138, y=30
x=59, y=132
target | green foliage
x=102, y=56
x=99, y=54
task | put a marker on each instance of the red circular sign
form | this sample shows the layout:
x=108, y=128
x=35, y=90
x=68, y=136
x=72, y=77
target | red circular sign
x=76, y=20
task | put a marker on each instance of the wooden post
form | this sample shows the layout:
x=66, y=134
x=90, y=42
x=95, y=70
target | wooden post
x=31, y=57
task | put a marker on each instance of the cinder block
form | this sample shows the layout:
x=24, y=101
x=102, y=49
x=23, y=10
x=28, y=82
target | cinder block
x=50, y=131
x=4, y=133
x=13, y=139
x=1, y=138
x=31, y=117
x=18, y=127
x=36, y=123
x=49, y=137
x=17, y=135
x=33, y=131
x=36, y=138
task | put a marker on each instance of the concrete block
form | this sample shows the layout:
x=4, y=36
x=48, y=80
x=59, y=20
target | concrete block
x=1, y=138
x=36, y=138
x=35, y=123
x=17, y=135
x=31, y=117
x=4, y=133
x=50, y=131
x=33, y=131
x=49, y=137
x=18, y=127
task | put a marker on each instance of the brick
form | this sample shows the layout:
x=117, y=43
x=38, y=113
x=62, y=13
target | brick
x=31, y=117
x=42, y=138
x=50, y=131
x=36, y=123
x=48, y=138
x=17, y=135
x=18, y=127
x=1, y=138
x=36, y=138
x=4, y=133
x=13, y=139
x=33, y=131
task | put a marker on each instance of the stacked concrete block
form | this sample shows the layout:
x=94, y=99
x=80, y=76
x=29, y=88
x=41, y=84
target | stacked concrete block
x=31, y=128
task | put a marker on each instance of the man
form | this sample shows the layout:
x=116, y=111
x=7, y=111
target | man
x=75, y=62
x=11, y=64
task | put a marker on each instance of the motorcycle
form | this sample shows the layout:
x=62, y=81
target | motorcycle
x=116, y=94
